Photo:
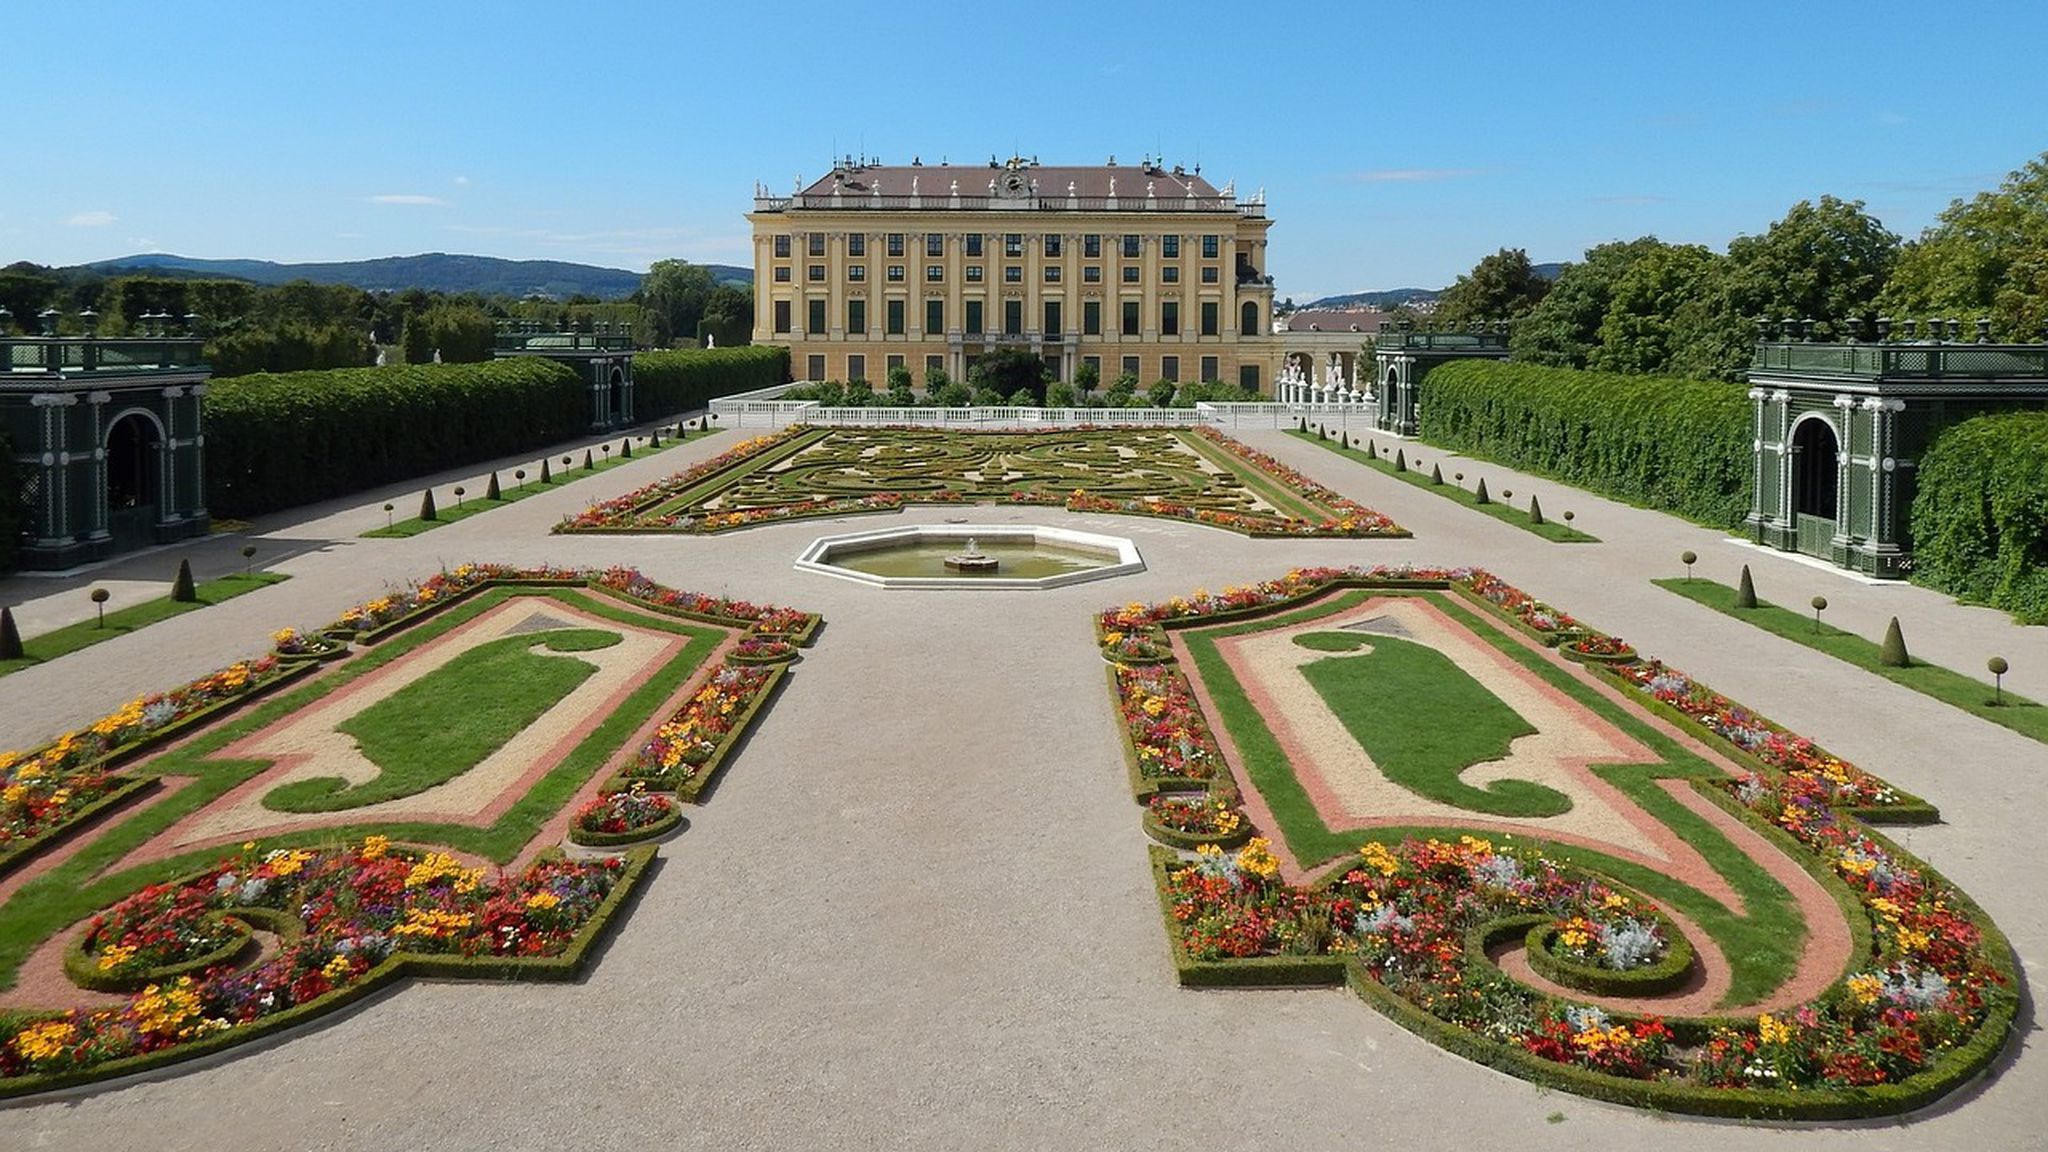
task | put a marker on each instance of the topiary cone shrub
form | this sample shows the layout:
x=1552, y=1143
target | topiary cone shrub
x=491, y=490
x=1535, y=510
x=1745, y=590
x=1479, y=493
x=626, y=448
x=1893, y=654
x=1344, y=440
x=1400, y=460
x=182, y=589
x=589, y=461
x=546, y=477
x=427, y=511
x=1436, y=474
x=654, y=439
x=10, y=636
x=1372, y=448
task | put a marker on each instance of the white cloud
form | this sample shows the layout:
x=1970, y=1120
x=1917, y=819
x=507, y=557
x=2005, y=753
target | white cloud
x=1414, y=175
x=98, y=219
x=461, y=180
x=408, y=198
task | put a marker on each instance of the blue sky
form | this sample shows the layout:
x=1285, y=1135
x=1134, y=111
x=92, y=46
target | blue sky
x=1396, y=144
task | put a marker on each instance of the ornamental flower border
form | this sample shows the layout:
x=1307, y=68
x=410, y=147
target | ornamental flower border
x=361, y=979
x=629, y=513
x=1926, y=948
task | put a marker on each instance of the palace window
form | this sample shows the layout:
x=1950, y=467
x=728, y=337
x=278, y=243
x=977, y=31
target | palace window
x=817, y=242
x=856, y=367
x=1092, y=274
x=857, y=244
x=974, y=243
x=1091, y=317
x=1013, y=317
x=1130, y=327
x=782, y=274
x=857, y=317
x=1209, y=369
x=1052, y=244
x=782, y=317
x=1130, y=247
x=1170, y=247
x=1169, y=368
x=1013, y=243
x=934, y=273
x=895, y=243
x=895, y=317
x=816, y=273
x=1131, y=366
x=856, y=272
x=1052, y=320
x=974, y=273
x=782, y=247
x=1209, y=321
x=814, y=368
x=1052, y=273
x=1091, y=246
x=895, y=273
x=1131, y=273
x=1169, y=274
x=934, y=244
x=1169, y=318
x=1211, y=246
x=816, y=316
x=1012, y=274
x=934, y=316
x=1211, y=274
x=974, y=317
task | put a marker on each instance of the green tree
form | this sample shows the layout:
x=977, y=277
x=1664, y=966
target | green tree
x=1161, y=393
x=461, y=333
x=1009, y=370
x=1987, y=257
x=1503, y=286
x=1087, y=379
x=675, y=293
x=728, y=316
x=1563, y=330
x=1636, y=333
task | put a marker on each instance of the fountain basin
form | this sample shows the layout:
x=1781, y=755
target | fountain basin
x=1020, y=557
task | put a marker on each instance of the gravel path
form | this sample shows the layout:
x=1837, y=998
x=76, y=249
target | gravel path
x=917, y=912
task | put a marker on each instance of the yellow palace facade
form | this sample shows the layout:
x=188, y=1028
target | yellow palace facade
x=1139, y=269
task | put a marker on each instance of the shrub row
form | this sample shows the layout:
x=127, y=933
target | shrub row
x=1676, y=445
x=668, y=383
x=1980, y=519
x=275, y=441
x=10, y=505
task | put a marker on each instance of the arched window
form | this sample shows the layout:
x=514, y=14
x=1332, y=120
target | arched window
x=1248, y=319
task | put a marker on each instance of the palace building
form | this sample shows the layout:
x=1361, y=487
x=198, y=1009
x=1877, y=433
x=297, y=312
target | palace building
x=1140, y=269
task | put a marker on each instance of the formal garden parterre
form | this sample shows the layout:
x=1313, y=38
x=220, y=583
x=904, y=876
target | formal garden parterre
x=1609, y=880
x=383, y=797
x=1198, y=475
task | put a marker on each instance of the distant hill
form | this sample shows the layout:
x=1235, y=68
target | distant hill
x=433, y=271
x=1393, y=297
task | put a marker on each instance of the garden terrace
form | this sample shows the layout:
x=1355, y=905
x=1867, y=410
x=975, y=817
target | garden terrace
x=388, y=796
x=1198, y=475
x=1522, y=840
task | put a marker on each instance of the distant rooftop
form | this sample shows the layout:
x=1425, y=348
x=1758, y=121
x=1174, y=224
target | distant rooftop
x=1362, y=320
x=1018, y=184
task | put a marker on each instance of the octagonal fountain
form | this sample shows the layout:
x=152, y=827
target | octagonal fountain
x=988, y=557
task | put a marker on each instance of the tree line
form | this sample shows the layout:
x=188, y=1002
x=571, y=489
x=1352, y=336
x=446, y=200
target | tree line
x=302, y=326
x=1648, y=307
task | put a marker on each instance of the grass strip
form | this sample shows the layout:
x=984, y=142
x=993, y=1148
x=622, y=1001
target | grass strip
x=515, y=491
x=2024, y=716
x=122, y=621
x=1554, y=531
x=1275, y=493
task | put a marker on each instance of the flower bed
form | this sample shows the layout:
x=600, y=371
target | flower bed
x=762, y=650
x=1617, y=949
x=1167, y=743
x=365, y=914
x=159, y=934
x=50, y=791
x=1145, y=647
x=1191, y=820
x=625, y=511
x=1769, y=749
x=627, y=817
x=1597, y=648
x=693, y=743
x=292, y=644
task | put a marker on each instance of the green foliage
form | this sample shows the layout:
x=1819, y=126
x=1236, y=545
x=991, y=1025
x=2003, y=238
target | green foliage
x=676, y=294
x=1987, y=257
x=1006, y=370
x=1059, y=395
x=1637, y=333
x=276, y=441
x=668, y=383
x=728, y=320
x=1980, y=519
x=1678, y=445
x=1503, y=286
x=461, y=333
x=1087, y=378
x=1479, y=495
x=1161, y=393
x=10, y=505
x=1892, y=653
x=1563, y=329
x=427, y=509
x=183, y=589
x=492, y=491
x=120, y=622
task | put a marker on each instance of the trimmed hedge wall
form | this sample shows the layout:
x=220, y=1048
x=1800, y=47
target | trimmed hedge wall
x=1676, y=445
x=1980, y=519
x=668, y=383
x=276, y=441
x=10, y=505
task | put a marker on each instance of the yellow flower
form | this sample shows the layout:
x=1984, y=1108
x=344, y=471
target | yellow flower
x=1475, y=845
x=167, y=1010
x=1379, y=859
x=1771, y=1030
x=336, y=968
x=374, y=847
x=14, y=794
x=1865, y=988
x=427, y=922
x=45, y=1041
x=543, y=900
x=1257, y=858
x=116, y=956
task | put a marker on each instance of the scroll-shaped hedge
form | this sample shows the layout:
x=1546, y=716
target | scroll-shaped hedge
x=668, y=383
x=1676, y=445
x=1980, y=519
x=279, y=440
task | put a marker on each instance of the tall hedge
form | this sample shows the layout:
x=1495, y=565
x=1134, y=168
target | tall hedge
x=1677, y=445
x=1980, y=518
x=10, y=505
x=669, y=383
x=279, y=440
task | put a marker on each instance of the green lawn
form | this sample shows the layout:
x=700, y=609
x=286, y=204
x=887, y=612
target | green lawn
x=511, y=491
x=2018, y=713
x=122, y=621
x=1553, y=530
x=445, y=724
x=1763, y=944
x=1424, y=720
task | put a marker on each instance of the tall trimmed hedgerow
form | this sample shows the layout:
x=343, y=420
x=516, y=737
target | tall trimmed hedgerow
x=1682, y=446
x=275, y=441
x=668, y=383
x=1980, y=518
x=10, y=504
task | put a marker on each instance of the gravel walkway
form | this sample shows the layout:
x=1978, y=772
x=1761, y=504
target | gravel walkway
x=917, y=912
